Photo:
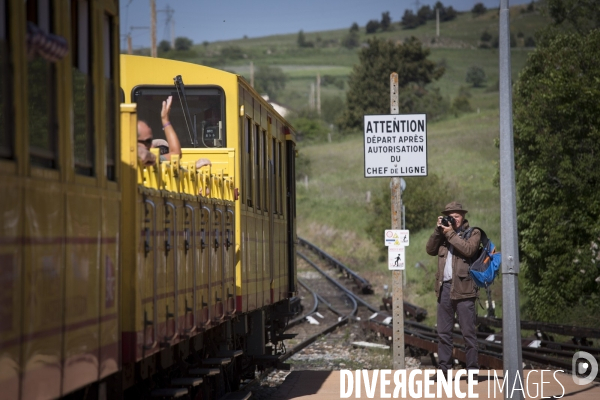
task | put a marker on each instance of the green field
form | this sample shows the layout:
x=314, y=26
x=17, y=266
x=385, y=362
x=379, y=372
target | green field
x=332, y=198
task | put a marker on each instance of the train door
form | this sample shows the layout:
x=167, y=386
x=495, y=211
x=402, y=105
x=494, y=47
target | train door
x=203, y=244
x=291, y=214
x=149, y=271
x=168, y=311
x=216, y=262
x=229, y=258
x=189, y=268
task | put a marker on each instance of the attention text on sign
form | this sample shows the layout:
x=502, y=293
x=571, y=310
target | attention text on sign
x=395, y=145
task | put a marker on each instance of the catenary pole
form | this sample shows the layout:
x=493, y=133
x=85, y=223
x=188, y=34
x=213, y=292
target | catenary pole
x=511, y=326
x=397, y=288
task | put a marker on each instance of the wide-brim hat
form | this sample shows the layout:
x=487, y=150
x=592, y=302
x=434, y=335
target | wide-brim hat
x=454, y=207
x=160, y=142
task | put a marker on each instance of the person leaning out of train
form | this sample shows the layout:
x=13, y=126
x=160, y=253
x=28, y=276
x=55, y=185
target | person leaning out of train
x=145, y=136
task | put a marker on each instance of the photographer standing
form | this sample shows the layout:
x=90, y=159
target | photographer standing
x=454, y=288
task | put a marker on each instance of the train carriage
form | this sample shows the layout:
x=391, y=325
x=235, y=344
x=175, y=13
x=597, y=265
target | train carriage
x=59, y=235
x=209, y=245
x=110, y=271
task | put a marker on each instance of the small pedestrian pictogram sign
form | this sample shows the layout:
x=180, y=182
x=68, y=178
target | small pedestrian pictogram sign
x=395, y=237
x=396, y=257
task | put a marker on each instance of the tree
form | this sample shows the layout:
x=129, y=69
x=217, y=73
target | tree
x=578, y=15
x=386, y=21
x=164, y=46
x=370, y=79
x=478, y=9
x=182, y=43
x=301, y=39
x=354, y=27
x=351, y=40
x=372, y=26
x=302, y=42
x=557, y=142
x=476, y=76
x=410, y=20
x=270, y=80
x=425, y=13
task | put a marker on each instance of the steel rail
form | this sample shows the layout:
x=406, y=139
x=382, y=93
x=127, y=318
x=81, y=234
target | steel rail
x=343, y=319
x=355, y=299
x=301, y=318
x=362, y=283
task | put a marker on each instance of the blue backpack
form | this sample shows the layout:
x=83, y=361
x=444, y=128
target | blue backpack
x=484, y=267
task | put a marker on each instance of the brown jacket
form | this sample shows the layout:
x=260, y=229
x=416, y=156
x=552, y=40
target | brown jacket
x=463, y=286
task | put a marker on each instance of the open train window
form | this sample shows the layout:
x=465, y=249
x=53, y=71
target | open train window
x=6, y=128
x=257, y=169
x=109, y=95
x=41, y=94
x=203, y=127
x=248, y=166
x=83, y=91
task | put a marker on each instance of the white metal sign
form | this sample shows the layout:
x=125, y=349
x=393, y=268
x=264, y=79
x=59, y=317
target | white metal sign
x=396, y=257
x=395, y=145
x=395, y=237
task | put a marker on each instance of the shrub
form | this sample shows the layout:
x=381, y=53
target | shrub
x=423, y=199
x=476, y=76
x=461, y=104
x=529, y=42
x=478, y=9
x=183, y=43
x=486, y=36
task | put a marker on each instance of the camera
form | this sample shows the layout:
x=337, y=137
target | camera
x=448, y=220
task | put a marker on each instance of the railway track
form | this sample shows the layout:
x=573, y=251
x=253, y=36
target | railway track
x=539, y=351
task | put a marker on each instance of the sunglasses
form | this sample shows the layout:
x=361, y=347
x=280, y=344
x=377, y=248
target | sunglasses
x=147, y=142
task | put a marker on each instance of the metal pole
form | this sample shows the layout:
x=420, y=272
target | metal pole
x=153, y=28
x=397, y=287
x=511, y=325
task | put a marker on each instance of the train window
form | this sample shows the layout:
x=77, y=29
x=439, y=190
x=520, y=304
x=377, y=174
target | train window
x=41, y=92
x=6, y=128
x=109, y=96
x=204, y=125
x=248, y=144
x=83, y=93
x=257, y=170
x=274, y=176
x=280, y=176
x=265, y=166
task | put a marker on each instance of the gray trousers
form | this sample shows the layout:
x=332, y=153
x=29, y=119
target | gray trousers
x=465, y=309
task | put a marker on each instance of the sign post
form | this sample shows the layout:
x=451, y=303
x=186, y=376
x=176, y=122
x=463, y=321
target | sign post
x=396, y=145
x=397, y=287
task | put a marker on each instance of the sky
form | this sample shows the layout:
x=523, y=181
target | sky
x=215, y=20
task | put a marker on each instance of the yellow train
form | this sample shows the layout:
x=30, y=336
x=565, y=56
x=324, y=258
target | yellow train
x=115, y=275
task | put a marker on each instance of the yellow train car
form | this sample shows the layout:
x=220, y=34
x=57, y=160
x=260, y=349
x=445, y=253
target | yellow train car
x=112, y=272
x=60, y=226
x=208, y=248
